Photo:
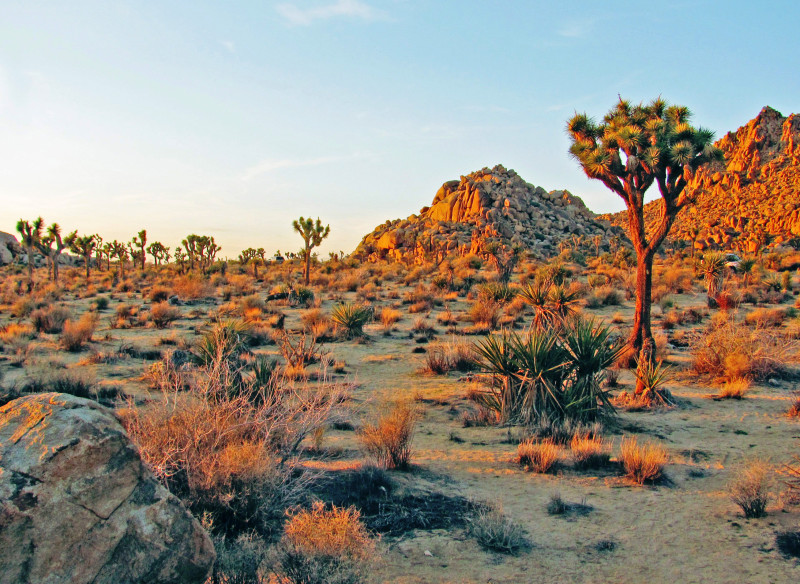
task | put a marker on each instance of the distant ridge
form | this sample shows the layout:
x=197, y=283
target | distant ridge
x=748, y=201
x=484, y=207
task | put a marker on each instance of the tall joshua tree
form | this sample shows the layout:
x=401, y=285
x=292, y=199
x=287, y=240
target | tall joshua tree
x=634, y=147
x=84, y=246
x=312, y=234
x=51, y=246
x=30, y=234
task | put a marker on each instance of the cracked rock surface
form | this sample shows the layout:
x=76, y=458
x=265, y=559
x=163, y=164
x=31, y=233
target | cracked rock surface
x=78, y=505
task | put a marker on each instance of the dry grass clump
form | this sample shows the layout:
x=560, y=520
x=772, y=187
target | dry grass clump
x=538, y=457
x=162, y=314
x=485, y=313
x=159, y=294
x=455, y=355
x=76, y=334
x=323, y=545
x=642, y=463
x=494, y=531
x=388, y=440
x=389, y=316
x=729, y=351
x=750, y=488
x=589, y=451
x=794, y=409
x=734, y=389
x=50, y=320
x=192, y=287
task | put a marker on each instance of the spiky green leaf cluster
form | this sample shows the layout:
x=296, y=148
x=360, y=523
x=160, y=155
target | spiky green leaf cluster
x=657, y=137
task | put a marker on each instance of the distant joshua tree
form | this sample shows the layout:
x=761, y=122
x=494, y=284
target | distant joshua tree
x=250, y=255
x=119, y=251
x=51, y=246
x=140, y=242
x=312, y=234
x=634, y=147
x=159, y=252
x=30, y=234
x=84, y=246
x=201, y=250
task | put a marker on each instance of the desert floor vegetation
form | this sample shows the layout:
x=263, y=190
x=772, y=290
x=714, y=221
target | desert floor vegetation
x=378, y=423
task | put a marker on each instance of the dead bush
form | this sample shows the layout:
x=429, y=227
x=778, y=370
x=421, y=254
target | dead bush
x=50, y=320
x=388, y=440
x=589, y=451
x=729, y=351
x=162, y=314
x=495, y=532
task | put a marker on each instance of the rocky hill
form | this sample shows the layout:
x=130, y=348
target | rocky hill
x=749, y=200
x=490, y=205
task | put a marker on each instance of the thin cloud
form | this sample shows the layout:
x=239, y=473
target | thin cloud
x=271, y=165
x=229, y=46
x=304, y=16
x=576, y=29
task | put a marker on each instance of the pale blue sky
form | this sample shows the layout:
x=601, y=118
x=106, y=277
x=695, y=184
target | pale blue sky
x=233, y=118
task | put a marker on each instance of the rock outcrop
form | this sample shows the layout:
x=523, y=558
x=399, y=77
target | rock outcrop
x=9, y=248
x=77, y=504
x=486, y=206
x=749, y=200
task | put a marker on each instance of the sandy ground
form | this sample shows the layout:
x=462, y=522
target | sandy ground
x=683, y=530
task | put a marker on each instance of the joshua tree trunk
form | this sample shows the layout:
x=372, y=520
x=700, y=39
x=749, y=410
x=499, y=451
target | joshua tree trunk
x=30, y=268
x=641, y=339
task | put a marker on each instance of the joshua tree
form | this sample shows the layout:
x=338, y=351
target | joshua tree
x=504, y=258
x=180, y=259
x=312, y=234
x=30, y=234
x=250, y=255
x=51, y=246
x=119, y=251
x=84, y=246
x=140, y=242
x=159, y=252
x=634, y=147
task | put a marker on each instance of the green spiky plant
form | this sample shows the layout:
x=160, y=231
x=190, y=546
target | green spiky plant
x=713, y=267
x=312, y=234
x=352, y=318
x=634, y=147
x=537, y=295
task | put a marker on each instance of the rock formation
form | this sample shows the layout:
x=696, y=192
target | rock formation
x=77, y=504
x=486, y=206
x=750, y=199
x=9, y=248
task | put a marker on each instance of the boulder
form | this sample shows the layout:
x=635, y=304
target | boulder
x=9, y=248
x=78, y=505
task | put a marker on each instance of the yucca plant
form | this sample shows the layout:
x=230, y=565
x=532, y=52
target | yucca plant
x=591, y=351
x=562, y=301
x=497, y=291
x=713, y=266
x=226, y=341
x=352, y=318
x=536, y=295
x=652, y=377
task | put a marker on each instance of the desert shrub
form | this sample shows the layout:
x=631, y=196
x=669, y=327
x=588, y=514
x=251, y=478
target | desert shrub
x=729, y=351
x=556, y=505
x=750, y=489
x=323, y=545
x=642, y=463
x=538, y=457
x=159, y=294
x=162, y=314
x=764, y=317
x=101, y=302
x=497, y=291
x=485, y=312
x=734, y=388
x=50, y=320
x=226, y=454
x=76, y=334
x=388, y=440
x=389, y=316
x=192, y=287
x=55, y=379
x=548, y=372
x=351, y=318
x=239, y=560
x=794, y=409
x=588, y=451
x=14, y=332
x=23, y=307
x=494, y=531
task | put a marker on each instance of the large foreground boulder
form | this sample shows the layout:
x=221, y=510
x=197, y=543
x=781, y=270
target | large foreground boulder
x=78, y=505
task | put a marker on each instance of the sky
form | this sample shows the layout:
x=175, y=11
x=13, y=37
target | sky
x=232, y=119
